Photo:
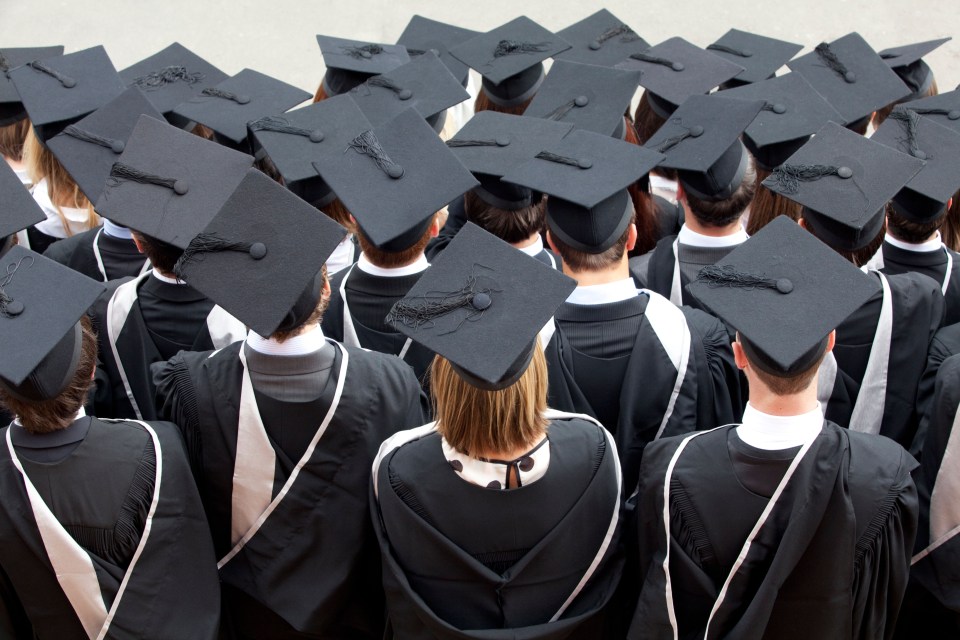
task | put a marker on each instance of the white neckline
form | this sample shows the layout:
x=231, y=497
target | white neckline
x=534, y=247
x=772, y=433
x=493, y=475
x=608, y=292
x=924, y=247
x=302, y=344
x=167, y=279
x=366, y=266
x=691, y=238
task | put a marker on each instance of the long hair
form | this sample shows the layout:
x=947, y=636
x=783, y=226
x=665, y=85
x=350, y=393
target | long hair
x=484, y=103
x=478, y=422
x=62, y=189
x=648, y=122
x=648, y=228
x=767, y=205
x=950, y=229
x=321, y=94
x=12, y=138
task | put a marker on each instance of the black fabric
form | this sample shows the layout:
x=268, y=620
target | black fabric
x=120, y=256
x=436, y=585
x=945, y=343
x=324, y=582
x=831, y=561
x=655, y=272
x=932, y=264
x=39, y=241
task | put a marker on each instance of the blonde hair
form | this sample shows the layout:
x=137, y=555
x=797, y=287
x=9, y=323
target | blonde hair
x=479, y=422
x=62, y=189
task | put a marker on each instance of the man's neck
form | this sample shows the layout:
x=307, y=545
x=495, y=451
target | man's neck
x=714, y=232
x=527, y=241
x=795, y=404
x=589, y=278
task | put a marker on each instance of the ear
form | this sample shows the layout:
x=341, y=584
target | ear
x=631, y=237
x=802, y=223
x=550, y=243
x=739, y=357
x=137, y=242
x=681, y=195
x=325, y=291
x=831, y=341
x=436, y=223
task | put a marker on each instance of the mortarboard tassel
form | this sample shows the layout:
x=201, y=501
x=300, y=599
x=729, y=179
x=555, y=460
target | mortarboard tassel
x=74, y=131
x=204, y=243
x=952, y=114
x=829, y=58
x=4, y=63
x=280, y=125
x=10, y=308
x=226, y=95
x=66, y=81
x=120, y=172
x=689, y=132
x=580, y=163
x=909, y=119
x=726, y=276
x=168, y=75
x=725, y=49
x=366, y=51
x=387, y=83
x=473, y=296
x=367, y=144
x=512, y=47
x=646, y=57
x=611, y=33
x=789, y=176
x=560, y=112
x=499, y=142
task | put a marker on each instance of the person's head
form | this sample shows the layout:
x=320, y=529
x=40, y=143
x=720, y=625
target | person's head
x=12, y=138
x=767, y=205
x=58, y=412
x=388, y=259
x=485, y=103
x=475, y=421
x=724, y=212
x=284, y=334
x=648, y=228
x=608, y=259
x=162, y=255
x=880, y=115
x=744, y=354
x=646, y=119
x=511, y=226
x=61, y=187
x=858, y=256
x=950, y=230
x=910, y=231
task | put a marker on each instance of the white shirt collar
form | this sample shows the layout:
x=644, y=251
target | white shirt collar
x=933, y=244
x=162, y=278
x=530, y=467
x=765, y=431
x=534, y=248
x=659, y=183
x=617, y=291
x=116, y=231
x=302, y=344
x=368, y=267
x=691, y=238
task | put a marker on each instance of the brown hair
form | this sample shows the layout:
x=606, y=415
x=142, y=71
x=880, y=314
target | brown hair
x=509, y=226
x=484, y=103
x=767, y=205
x=479, y=422
x=861, y=256
x=12, y=138
x=880, y=115
x=63, y=191
x=721, y=213
x=314, y=318
x=57, y=413
x=788, y=385
x=647, y=121
x=909, y=231
x=950, y=229
x=339, y=213
x=393, y=259
x=162, y=255
x=648, y=227
x=583, y=261
x=202, y=131
x=321, y=94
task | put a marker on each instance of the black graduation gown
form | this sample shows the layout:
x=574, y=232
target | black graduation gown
x=311, y=570
x=831, y=561
x=945, y=343
x=932, y=264
x=104, y=492
x=655, y=271
x=118, y=257
x=456, y=218
x=563, y=528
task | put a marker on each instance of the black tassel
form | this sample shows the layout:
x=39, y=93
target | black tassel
x=120, y=172
x=280, y=125
x=725, y=49
x=560, y=112
x=910, y=120
x=366, y=51
x=4, y=63
x=168, y=75
x=387, y=83
x=226, y=95
x=689, y=132
x=646, y=57
x=109, y=143
x=775, y=107
x=367, y=144
x=420, y=313
x=611, y=33
x=726, y=276
x=829, y=58
x=789, y=176
x=66, y=81
x=205, y=243
x=10, y=308
x=499, y=142
x=952, y=114
x=580, y=163
x=513, y=47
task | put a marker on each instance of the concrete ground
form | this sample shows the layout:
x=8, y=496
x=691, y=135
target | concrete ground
x=276, y=37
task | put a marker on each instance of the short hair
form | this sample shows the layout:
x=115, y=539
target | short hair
x=787, y=385
x=720, y=213
x=768, y=205
x=314, y=318
x=63, y=190
x=162, y=255
x=910, y=231
x=509, y=226
x=582, y=261
x=484, y=103
x=393, y=259
x=12, y=138
x=858, y=257
x=54, y=414
x=475, y=421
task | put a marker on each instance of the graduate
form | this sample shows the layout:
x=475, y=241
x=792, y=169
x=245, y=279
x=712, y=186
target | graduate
x=786, y=525
x=19, y=209
x=907, y=62
x=869, y=381
x=531, y=548
x=627, y=357
x=761, y=57
x=281, y=428
x=350, y=62
x=102, y=533
x=165, y=186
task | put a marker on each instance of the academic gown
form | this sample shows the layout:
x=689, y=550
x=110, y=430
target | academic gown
x=942, y=265
x=92, y=524
x=945, y=343
x=145, y=320
x=296, y=549
x=672, y=373
x=882, y=348
x=661, y=271
x=669, y=216
x=98, y=255
x=538, y=561
x=829, y=560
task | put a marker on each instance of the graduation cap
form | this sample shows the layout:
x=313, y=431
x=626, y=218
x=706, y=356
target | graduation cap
x=11, y=107
x=674, y=70
x=59, y=90
x=590, y=97
x=423, y=34
x=171, y=76
x=19, y=209
x=943, y=108
x=88, y=148
x=784, y=291
x=169, y=183
x=394, y=178
x=260, y=257
x=843, y=181
x=759, y=56
x=350, y=62
x=586, y=176
x=851, y=76
x=40, y=334
x=510, y=59
x=245, y=97
x=925, y=197
x=792, y=112
x=295, y=140
x=702, y=140
x=424, y=84
x=602, y=39
x=907, y=63
x=481, y=305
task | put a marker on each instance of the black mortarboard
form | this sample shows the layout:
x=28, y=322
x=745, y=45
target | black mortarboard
x=350, y=62
x=423, y=34
x=702, y=140
x=172, y=76
x=87, y=149
x=784, y=291
x=19, y=209
x=11, y=107
x=943, y=108
x=759, y=56
x=169, y=183
x=674, y=70
x=601, y=39
x=295, y=140
x=59, y=90
x=586, y=176
x=843, y=181
x=926, y=195
x=40, y=312
x=260, y=256
x=394, y=178
x=590, y=97
x=851, y=76
x=424, y=84
x=792, y=112
x=510, y=59
x=481, y=305
x=907, y=63
x=245, y=97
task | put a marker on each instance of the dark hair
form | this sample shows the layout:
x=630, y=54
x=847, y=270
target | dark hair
x=950, y=231
x=583, y=261
x=721, y=213
x=12, y=137
x=788, y=385
x=266, y=167
x=484, y=103
x=162, y=255
x=648, y=227
x=321, y=94
x=392, y=259
x=648, y=122
x=767, y=205
x=314, y=318
x=509, y=226
x=861, y=256
x=909, y=231
x=880, y=115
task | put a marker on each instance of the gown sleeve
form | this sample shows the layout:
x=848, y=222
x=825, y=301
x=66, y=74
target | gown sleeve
x=176, y=402
x=945, y=343
x=13, y=619
x=719, y=398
